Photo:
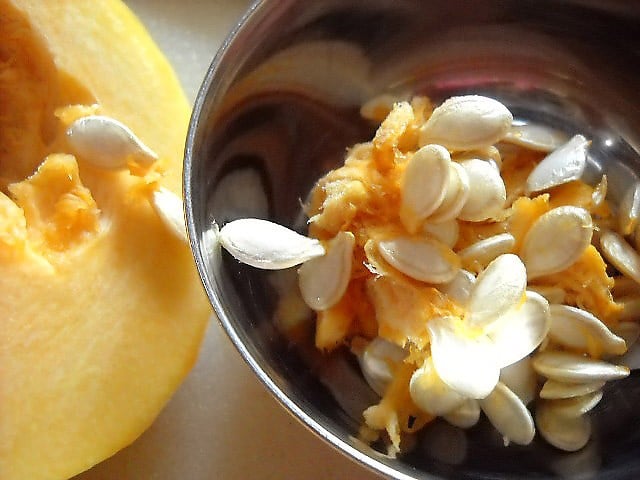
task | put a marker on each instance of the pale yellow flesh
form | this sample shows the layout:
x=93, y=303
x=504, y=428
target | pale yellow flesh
x=104, y=46
x=96, y=332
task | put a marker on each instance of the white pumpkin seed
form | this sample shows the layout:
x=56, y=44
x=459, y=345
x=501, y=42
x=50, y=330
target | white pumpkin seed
x=490, y=154
x=578, y=329
x=267, y=245
x=430, y=393
x=576, y=406
x=465, y=363
x=521, y=330
x=553, y=389
x=323, y=280
x=498, y=288
x=424, y=185
x=521, y=379
x=573, y=368
x=426, y=259
x=446, y=232
x=467, y=123
x=107, y=143
x=556, y=240
x=457, y=194
x=377, y=363
x=563, y=165
x=566, y=433
x=484, y=251
x=509, y=415
x=170, y=209
x=466, y=415
x=535, y=137
x=459, y=289
x=629, y=210
x=487, y=192
x=620, y=254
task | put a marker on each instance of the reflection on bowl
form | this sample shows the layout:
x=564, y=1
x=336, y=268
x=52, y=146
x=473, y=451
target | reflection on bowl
x=278, y=108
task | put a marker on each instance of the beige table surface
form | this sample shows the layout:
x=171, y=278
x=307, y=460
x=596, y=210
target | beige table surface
x=222, y=423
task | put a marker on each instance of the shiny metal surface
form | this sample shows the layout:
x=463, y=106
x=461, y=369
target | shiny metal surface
x=256, y=147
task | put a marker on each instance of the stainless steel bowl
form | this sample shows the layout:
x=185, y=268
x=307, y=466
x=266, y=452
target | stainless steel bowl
x=264, y=129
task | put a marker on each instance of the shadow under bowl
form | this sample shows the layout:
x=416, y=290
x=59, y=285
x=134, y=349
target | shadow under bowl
x=279, y=106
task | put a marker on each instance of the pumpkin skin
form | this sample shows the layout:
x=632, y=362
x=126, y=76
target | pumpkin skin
x=102, y=311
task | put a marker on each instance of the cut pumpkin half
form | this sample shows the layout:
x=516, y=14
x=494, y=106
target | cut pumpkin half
x=102, y=312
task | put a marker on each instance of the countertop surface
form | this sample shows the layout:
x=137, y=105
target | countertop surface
x=222, y=423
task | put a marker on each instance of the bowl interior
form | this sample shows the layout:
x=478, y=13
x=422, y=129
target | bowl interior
x=261, y=136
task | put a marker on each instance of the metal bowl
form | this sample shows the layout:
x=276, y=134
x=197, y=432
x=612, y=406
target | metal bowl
x=268, y=123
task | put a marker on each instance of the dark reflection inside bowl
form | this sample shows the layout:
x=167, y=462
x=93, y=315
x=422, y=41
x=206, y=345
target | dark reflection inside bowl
x=258, y=143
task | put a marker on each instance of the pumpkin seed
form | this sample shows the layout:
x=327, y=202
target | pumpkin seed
x=446, y=232
x=323, y=280
x=466, y=415
x=521, y=379
x=426, y=259
x=377, y=363
x=535, y=137
x=576, y=406
x=573, y=368
x=553, y=389
x=487, y=192
x=490, y=154
x=457, y=194
x=556, y=240
x=107, y=143
x=459, y=289
x=466, y=363
x=561, y=166
x=620, y=254
x=267, y=245
x=520, y=330
x=484, y=251
x=424, y=185
x=467, y=123
x=566, y=433
x=497, y=289
x=509, y=415
x=579, y=329
x=430, y=393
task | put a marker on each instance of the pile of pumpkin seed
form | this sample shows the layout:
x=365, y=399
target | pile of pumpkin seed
x=515, y=348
